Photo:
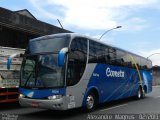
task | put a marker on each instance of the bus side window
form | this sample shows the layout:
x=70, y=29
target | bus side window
x=77, y=59
x=97, y=53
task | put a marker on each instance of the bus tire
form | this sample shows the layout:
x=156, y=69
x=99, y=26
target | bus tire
x=90, y=102
x=139, y=93
x=143, y=93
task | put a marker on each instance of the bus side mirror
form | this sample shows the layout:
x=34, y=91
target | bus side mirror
x=10, y=58
x=62, y=57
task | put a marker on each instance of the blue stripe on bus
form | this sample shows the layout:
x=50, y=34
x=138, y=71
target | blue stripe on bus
x=42, y=93
x=117, y=85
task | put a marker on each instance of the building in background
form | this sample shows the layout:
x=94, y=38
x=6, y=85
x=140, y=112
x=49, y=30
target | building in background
x=18, y=27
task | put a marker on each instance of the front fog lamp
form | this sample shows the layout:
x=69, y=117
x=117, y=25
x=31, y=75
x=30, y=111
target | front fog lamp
x=21, y=96
x=55, y=97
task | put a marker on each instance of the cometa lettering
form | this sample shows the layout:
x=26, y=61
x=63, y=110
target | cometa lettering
x=113, y=73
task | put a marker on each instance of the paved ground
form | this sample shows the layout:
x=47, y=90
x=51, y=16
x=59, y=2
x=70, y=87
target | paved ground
x=151, y=104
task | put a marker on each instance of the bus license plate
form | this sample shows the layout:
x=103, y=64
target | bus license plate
x=35, y=104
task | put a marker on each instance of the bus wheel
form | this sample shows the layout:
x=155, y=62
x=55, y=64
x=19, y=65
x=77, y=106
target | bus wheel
x=140, y=93
x=143, y=94
x=90, y=102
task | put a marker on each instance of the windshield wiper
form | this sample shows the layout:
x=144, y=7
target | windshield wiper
x=28, y=78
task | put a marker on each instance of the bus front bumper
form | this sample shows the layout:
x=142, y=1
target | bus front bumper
x=57, y=104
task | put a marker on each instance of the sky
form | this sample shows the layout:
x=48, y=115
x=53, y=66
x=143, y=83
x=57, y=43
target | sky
x=140, y=20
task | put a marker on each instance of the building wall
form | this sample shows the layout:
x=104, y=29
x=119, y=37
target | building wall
x=16, y=30
x=14, y=38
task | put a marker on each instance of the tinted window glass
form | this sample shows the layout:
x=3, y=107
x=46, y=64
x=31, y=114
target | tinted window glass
x=48, y=45
x=99, y=53
x=96, y=52
x=121, y=58
x=77, y=59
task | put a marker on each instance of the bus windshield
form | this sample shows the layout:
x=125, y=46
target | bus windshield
x=41, y=71
x=40, y=65
x=48, y=44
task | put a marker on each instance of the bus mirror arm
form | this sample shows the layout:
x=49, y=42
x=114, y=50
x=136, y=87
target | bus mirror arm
x=10, y=58
x=62, y=56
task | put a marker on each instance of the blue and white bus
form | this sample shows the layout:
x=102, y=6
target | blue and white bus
x=68, y=70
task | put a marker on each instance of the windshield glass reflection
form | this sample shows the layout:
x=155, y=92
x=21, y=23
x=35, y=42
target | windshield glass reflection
x=42, y=71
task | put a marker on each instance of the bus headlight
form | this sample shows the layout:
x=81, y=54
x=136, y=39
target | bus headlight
x=55, y=97
x=21, y=96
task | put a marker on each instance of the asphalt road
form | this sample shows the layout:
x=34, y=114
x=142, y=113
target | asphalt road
x=151, y=105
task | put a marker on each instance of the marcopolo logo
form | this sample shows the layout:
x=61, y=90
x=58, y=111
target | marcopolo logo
x=114, y=73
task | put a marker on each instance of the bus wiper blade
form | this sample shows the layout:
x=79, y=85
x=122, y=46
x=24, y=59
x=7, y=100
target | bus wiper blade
x=28, y=78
